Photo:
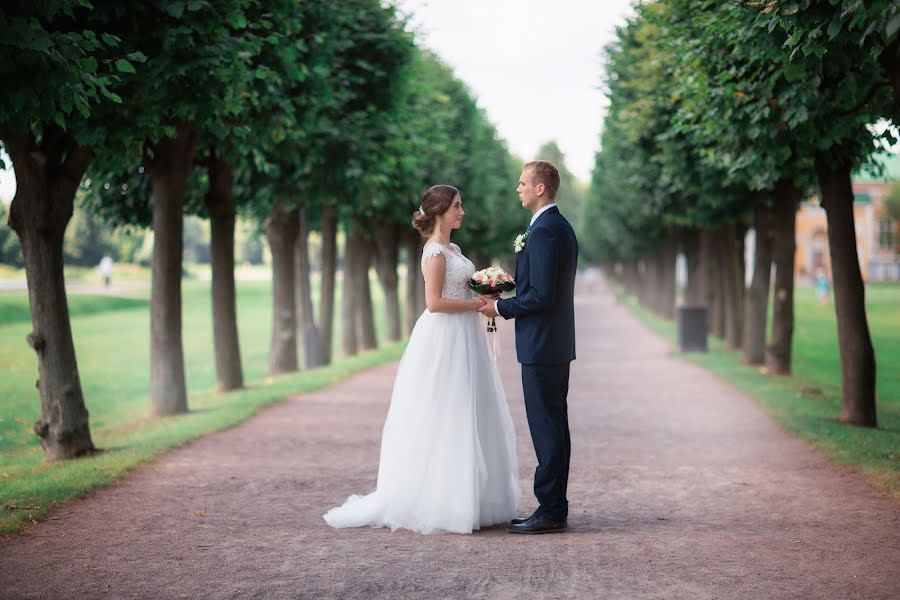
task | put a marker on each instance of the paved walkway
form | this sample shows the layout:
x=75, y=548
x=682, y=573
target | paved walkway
x=680, y=488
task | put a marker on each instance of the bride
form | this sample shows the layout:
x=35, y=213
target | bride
x=448, y=457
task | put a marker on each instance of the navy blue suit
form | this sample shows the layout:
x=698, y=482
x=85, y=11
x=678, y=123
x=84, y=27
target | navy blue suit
x=544, y=310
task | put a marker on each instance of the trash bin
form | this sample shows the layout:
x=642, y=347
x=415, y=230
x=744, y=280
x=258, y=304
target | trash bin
x=692, y=329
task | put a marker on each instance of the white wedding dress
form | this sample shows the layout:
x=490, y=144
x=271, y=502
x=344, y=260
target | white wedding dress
x=448, y=457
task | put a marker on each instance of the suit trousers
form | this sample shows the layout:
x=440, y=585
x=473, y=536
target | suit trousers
x=546, y=388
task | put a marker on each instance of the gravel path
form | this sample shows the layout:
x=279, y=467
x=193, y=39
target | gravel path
x=680, y=488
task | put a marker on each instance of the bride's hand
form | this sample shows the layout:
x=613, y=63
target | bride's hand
x=478, y=302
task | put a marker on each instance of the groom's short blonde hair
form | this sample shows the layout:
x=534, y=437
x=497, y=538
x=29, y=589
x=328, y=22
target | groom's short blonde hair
x=544, y=171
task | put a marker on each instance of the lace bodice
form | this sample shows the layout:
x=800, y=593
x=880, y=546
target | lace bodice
x=459, y=269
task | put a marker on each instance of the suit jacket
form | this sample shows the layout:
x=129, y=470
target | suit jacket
x=544, y=306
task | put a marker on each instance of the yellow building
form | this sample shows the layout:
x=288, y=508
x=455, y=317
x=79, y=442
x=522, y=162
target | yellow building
x=877, y=235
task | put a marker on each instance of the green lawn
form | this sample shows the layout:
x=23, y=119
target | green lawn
x=112, y=344
x=809, y=403
x=14, y=307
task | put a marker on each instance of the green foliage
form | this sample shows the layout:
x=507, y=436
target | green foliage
x=56, y=67
x=323, y=108
x=197, y=71
x=817, y=28
x=288, y=93
x=438, y=134
x=627, y=203
x=783, y=108
x=314, y=100
x=713, y=101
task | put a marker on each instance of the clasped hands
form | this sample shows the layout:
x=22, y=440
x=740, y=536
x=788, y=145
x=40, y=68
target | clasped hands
x=487, y=308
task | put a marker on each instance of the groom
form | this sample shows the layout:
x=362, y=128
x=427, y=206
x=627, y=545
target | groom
x=545, y=339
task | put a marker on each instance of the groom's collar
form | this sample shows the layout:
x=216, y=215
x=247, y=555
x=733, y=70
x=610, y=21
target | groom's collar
x=540, y=212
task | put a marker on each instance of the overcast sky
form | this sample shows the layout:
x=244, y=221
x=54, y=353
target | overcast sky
x=535, y=67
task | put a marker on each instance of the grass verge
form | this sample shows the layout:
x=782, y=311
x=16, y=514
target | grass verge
x=808, y=404
x=30, y=486
x=112, y=344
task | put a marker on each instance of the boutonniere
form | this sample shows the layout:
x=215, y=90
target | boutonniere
x=519, y=244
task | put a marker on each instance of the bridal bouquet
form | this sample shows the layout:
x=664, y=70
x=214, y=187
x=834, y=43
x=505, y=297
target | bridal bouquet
x=490, y=281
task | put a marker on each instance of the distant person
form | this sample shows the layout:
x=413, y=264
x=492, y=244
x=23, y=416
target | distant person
x=106, y=265
x=822, y=286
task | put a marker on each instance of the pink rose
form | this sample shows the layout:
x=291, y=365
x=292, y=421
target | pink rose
x=479, y=277
x=491, y=282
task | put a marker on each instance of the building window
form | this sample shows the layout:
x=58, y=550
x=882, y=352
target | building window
x=886, y=234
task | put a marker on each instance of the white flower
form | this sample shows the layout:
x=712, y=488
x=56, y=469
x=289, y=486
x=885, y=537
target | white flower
x=519, y=244
x=495, y=274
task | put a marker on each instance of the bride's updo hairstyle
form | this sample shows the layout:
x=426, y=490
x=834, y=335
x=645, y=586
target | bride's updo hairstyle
x=435, y=202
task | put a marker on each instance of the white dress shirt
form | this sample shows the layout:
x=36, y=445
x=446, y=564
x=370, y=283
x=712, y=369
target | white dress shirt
x=544, y=209
x=534, y=218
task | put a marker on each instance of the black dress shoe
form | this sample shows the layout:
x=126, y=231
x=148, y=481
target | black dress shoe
x=538, y=524
x=520, y=520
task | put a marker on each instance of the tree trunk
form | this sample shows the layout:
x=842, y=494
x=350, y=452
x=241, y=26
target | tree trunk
x=169, y=169
x=415, y=283
x=365, y=313
x=740, y=245
x=219, y=202
x=757, y=305
x=630, y=276
x=654, y=298
x=329, y=274
x=310, y=340
x=281, y=230
x=733, y=277
x=349, y=329
x=648, y=279
x=387, y=251
x=857, y=355
x=638, y=278
x=47, y=178
x=669, y=251
x=690, y=244
x=705, y=273
x=717, y=282
x=784, y=218
x=648, y=289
